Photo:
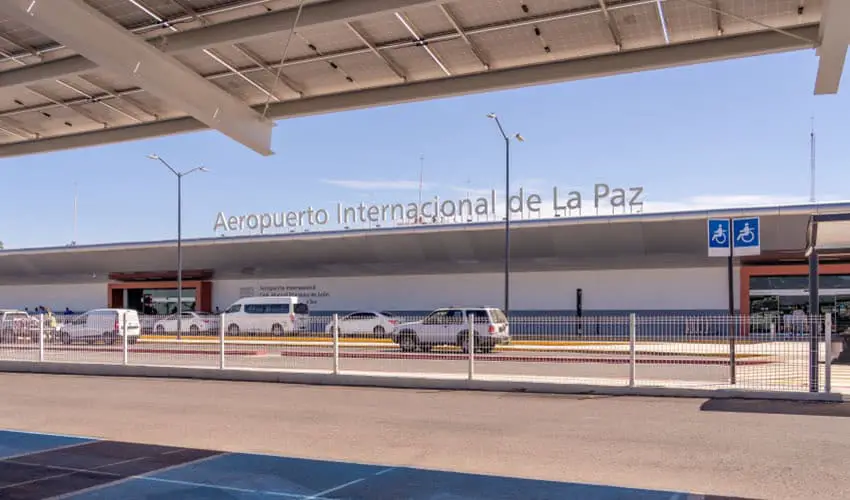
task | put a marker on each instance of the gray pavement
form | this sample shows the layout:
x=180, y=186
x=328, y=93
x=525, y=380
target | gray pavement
x=747, y=449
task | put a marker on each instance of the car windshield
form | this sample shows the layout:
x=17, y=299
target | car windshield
x=387, y=314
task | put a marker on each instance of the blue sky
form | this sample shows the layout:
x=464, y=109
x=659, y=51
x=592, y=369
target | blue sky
x=722, y=134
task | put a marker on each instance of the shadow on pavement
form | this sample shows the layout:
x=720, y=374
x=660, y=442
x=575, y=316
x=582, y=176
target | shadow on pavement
x=818, y=409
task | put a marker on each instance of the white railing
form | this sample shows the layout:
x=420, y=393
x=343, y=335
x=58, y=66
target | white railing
x=688, y=351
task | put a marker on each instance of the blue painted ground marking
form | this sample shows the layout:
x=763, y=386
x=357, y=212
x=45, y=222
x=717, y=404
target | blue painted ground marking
x=197, y=474
x=271, y=474
x=19, y=443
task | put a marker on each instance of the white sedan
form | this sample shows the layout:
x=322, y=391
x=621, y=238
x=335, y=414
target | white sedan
x=375, y=323
x=192, y=323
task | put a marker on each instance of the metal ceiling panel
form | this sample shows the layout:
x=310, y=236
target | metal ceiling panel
x=465, y=37
x=640, y=26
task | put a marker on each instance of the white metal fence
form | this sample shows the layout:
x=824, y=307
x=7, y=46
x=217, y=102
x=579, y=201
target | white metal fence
x=708, y=352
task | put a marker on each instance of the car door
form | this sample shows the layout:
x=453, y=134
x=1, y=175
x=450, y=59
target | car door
x=189, y=319
x=99, y=323
x=454, y=325
x=347, y=324
x=169, y=323
x=253, y=317
x=365, y=323
x=433, y=326
x=132, y=325
x=76, y=326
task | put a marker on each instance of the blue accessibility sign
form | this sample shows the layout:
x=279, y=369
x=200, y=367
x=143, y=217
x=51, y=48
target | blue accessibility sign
x=719, y=239
x=746, y=234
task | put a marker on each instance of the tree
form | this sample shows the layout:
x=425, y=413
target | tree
x=1, y=245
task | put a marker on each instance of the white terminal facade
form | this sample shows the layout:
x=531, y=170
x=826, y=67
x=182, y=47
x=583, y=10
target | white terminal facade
x=644, y=263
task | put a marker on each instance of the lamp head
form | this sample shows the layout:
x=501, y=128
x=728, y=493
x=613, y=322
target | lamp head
x=153, y=156
x=492, y=116
x=203, y=169
x=520, y=138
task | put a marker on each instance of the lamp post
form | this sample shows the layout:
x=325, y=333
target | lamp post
x=507, y=139
x=179, y=176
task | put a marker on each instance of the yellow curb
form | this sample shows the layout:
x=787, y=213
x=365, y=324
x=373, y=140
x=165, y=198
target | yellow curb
x=265, y=339
x=566, y=342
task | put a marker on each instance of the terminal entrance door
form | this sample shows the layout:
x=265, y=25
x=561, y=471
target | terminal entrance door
x=160, y=302
x=160, y=297
x=780, y=303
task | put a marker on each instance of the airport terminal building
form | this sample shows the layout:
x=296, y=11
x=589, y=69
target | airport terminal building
x=650, y=263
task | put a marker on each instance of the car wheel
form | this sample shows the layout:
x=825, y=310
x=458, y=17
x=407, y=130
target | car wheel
x=65, y=338
x=379, y=331
x=408, y=342
x=160, y=330
x=110, y=338
x=277, y=330
x=194, y=330
x=233, y=330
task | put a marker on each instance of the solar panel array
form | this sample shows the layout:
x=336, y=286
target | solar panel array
x=427, y=41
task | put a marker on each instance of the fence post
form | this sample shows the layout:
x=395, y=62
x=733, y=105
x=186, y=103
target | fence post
x=124, y=341
x=470, y=340
x=41, y=337
x=632, y=348
x=335, y=333
x=827, y=349
x=733, y=327
x=222, y=326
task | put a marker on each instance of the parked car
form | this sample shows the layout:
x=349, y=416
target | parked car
x=106, y=325
x=365, y=323
x=450, y=326
x=192, y=322
x=275, y=315
x=15, y=324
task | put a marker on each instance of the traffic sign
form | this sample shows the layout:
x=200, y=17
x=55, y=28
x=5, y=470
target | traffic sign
x=718, y=237
x=747, y=236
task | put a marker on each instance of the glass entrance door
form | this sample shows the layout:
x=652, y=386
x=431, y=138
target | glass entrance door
x=786, y=312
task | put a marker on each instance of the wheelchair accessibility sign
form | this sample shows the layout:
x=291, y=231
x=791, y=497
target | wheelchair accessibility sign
x=718, y=237
x=740, y=236
x=747, y=236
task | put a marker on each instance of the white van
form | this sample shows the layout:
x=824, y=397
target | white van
x=106, y=325
x=275, y=315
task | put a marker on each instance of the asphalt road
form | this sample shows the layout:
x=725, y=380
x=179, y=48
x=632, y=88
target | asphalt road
x=712, y=371
x=735, y=448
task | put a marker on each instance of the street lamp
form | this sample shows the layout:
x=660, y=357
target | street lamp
x=179, y=176
x=507, y=139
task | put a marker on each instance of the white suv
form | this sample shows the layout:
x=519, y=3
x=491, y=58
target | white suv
x=450, y=326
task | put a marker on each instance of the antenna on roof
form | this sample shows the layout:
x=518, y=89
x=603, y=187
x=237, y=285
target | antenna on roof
x=812, y=197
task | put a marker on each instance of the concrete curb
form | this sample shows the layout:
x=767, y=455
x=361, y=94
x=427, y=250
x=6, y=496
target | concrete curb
x=395, y=382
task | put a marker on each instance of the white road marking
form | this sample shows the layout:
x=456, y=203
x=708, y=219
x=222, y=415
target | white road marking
x=346, y=485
